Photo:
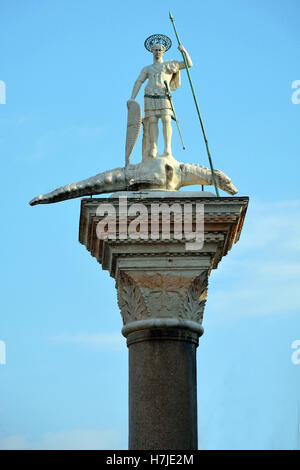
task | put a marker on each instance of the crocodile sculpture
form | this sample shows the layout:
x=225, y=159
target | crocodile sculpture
x=161, y=172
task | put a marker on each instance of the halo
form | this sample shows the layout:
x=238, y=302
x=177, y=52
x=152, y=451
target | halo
x=157, y=39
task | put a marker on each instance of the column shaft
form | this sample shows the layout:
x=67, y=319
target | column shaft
x=162, y=389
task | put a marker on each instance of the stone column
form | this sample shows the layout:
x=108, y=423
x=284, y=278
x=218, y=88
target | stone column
x=162, y=291
x=162, y=306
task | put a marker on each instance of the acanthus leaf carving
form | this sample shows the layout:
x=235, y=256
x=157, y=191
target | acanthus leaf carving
x=130, y=299
x=194, y=303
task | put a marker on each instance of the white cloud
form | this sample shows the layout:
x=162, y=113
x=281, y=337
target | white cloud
x=103, y=341
x=262, y=272
x=75, y=439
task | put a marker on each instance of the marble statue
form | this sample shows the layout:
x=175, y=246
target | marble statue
x=155, y=171
x=156, y=104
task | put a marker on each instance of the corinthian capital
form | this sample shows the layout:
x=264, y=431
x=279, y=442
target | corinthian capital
x=167, y=298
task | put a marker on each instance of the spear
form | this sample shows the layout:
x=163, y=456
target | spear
x=197, y=107
x=169, y=96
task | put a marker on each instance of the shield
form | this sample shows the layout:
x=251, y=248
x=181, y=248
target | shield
x=134, y=122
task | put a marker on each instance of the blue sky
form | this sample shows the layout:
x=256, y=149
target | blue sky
x=69, y=67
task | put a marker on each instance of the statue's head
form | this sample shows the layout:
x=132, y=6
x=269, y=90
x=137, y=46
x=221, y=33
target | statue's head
x=158, y=44
x=158, y=51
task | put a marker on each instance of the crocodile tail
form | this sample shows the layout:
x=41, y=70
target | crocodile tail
x=106, y=182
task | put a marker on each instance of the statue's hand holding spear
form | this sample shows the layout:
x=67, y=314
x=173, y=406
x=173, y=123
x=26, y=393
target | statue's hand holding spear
x=187, y=60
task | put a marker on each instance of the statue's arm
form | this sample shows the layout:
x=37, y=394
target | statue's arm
x=138, y=83
x=188, y=59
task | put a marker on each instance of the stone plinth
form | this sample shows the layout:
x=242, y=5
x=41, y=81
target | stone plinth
x=162, y=289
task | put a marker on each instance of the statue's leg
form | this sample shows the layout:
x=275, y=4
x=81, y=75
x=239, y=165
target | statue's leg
x=167, y=131
x=153, y=134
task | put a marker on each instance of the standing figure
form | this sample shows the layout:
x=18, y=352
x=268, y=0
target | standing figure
x=156, y=103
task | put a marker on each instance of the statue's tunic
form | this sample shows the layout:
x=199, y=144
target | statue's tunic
x=156, y=75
